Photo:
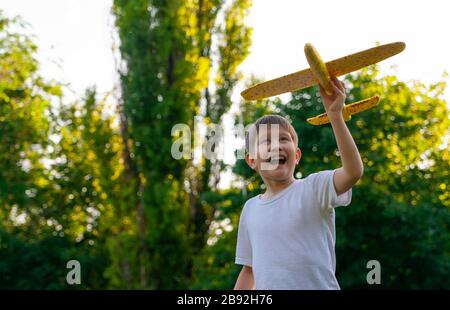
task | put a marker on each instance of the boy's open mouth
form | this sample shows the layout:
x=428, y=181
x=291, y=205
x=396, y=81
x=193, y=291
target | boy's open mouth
x=281, y=159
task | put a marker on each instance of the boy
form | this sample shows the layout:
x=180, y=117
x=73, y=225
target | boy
x=286, y=236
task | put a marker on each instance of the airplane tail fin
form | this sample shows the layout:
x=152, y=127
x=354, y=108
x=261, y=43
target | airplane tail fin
x=351, y=109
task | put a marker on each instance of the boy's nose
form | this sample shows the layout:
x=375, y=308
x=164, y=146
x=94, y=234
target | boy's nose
x=275, y=148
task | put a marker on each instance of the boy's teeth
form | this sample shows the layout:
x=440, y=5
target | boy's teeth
x=277, y=158
x=274, y=160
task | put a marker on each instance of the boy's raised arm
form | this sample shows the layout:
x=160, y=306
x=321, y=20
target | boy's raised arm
x=352, y=166
x=245, y=281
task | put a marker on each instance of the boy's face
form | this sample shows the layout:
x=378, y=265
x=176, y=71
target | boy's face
x=275, y=153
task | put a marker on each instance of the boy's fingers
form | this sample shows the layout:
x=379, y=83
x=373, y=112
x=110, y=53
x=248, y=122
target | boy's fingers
x=323, y=93
x=333, y=80
x=322, y=90
x=341, y=87
x=338, y=90
x=338, y=83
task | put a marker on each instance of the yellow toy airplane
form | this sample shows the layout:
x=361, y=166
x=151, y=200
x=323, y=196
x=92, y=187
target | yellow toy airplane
x=319, y=73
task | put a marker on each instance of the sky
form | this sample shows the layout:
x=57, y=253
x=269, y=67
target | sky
x=74, y=37
x=339, y=28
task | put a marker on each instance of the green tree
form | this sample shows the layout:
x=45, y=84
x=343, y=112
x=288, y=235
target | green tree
x=49, y=208
x=24, y=100
x=171, y=66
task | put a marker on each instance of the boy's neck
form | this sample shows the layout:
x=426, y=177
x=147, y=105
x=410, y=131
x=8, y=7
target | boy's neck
x=274, y=187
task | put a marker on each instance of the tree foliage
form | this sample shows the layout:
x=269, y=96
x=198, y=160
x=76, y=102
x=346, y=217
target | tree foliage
x=170, y=59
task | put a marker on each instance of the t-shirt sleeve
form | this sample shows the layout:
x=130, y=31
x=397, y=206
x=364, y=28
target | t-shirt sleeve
x=243, y=246
x=323, y=188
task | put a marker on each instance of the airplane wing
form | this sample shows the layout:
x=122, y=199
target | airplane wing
x=337, y=67
x=319, y=119
x=287, y=83
x=363, y=59
x=362, y=105
x=353, y=108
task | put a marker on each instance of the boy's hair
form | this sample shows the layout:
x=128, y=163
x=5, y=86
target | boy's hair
x=272, y=119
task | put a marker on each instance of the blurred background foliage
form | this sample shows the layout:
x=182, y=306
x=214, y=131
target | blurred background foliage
x=97, y=183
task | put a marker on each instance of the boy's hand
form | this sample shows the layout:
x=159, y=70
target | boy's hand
x=334, y=103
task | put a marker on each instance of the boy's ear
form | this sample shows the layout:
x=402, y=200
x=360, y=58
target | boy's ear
x=298, y=155
x=250, y=161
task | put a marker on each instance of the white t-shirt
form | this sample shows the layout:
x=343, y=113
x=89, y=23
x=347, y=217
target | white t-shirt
x=289, y=239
